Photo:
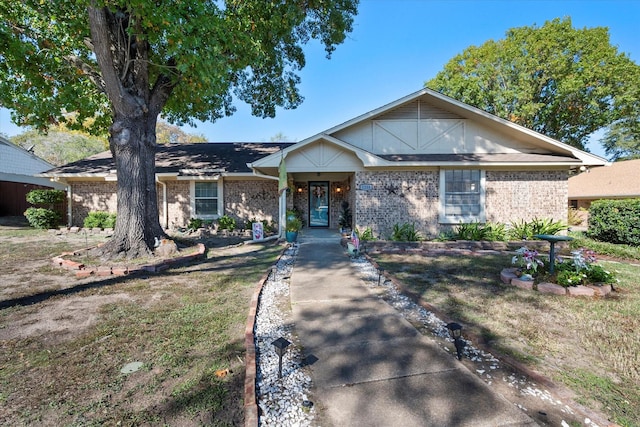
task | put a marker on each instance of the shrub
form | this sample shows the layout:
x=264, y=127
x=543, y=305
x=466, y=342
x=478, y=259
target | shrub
x=477, y=231
x=346, y=217
x=100, y=220
x=405, y=233
x=42, y=218
x=615, y=221
x=45, y=197
x=366, y=235
x=194, y=224
x=526, y=230
x=225, y=222
x=573, y=218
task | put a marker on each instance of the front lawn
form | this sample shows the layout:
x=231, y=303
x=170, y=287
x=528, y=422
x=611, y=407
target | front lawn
x=591, y=345
x=61, y=357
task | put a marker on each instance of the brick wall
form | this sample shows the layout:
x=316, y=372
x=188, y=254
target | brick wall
x=512, y=196
x=178, y=203
x=88, y=196
x=245, y=200
x=397, y=198
x=413, y=197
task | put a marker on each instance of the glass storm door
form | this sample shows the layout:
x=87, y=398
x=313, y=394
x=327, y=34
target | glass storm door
x=318, y=204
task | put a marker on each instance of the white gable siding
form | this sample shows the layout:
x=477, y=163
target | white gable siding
x=420, y=128
x=322, y=156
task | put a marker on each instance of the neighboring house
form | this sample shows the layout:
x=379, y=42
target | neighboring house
x=617, y=181
x=425, y=159
x=18, y=168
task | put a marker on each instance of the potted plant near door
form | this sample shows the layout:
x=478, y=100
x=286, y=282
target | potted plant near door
x=293, y=225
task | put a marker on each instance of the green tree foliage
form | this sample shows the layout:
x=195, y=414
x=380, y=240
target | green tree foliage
x=166, y=133
x=118, y=64
x=557, y=80
x=60, y=145
x=622, y=140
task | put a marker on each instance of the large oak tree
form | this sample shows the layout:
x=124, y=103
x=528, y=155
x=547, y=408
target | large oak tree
x=558, y=80
x=121, y=63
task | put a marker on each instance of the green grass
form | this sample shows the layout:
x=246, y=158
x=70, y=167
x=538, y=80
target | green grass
x=184, y=325
x=604, y=248
x=592, y=345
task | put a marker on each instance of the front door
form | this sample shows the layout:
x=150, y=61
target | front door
x=319, y=204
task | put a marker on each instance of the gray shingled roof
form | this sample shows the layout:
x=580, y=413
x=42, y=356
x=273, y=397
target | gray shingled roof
x=229, y=157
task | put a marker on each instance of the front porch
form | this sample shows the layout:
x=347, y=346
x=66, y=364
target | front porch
x=319, y=196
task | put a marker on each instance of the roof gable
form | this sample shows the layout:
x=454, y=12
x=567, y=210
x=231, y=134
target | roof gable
x=428, y=122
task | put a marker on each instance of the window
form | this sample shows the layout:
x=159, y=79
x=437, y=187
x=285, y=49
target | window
x=205, y=199
x=461, y=196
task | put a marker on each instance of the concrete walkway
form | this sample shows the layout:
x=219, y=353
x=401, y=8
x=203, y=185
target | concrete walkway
x=373, y=368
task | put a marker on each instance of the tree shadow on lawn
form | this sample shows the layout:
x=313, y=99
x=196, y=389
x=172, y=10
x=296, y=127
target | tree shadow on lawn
x=257, y=262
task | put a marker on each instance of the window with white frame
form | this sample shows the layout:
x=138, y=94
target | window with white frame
x=462, y=195
x=205, y=199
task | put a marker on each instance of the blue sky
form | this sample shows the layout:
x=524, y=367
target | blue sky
x=395, y=47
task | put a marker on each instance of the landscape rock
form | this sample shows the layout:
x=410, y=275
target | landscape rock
x=580, y=291
x=551, y=288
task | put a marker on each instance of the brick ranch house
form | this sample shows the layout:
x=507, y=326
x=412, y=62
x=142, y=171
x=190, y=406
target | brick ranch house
x=425, y=159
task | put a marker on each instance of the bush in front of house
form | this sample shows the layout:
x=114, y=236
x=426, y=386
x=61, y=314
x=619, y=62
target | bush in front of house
x=527, y=229
x=44, y=216
x=405, y=233
x=615, y=221
x=100, y=220
x=225, y=222
x=478, y=231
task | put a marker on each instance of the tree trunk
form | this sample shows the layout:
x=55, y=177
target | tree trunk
x=133, y=147
x=123, y=62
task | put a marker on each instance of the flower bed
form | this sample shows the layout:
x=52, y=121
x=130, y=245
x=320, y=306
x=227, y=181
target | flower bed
x=578, y=276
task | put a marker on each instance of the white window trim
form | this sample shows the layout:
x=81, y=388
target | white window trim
x=457, y=219
x=192, y=199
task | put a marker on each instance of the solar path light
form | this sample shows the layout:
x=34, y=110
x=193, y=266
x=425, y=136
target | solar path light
x=455, y=330
x=280, y=344
x=380, y=274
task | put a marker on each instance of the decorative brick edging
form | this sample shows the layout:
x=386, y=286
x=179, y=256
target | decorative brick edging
x=508, y=276
x=82, y=272
x=251, y=417
x=251, y=370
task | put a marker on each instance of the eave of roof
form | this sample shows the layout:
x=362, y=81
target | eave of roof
x=179, y=159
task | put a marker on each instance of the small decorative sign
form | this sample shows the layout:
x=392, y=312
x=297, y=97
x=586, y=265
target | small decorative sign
x=365, y=187
x=258, y=232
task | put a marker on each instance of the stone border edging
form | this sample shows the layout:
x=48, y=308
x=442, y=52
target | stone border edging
x=82, y=272
x=561, y=391
x=508, y=276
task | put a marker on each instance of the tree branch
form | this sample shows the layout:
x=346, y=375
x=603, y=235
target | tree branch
x=123, y=103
